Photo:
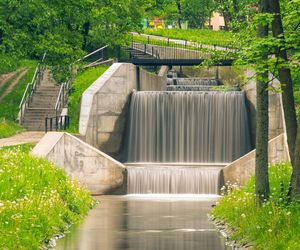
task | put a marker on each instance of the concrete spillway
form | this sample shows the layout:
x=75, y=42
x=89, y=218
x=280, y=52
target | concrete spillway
x=184, y=127
x=173, y=179
x=187, y=127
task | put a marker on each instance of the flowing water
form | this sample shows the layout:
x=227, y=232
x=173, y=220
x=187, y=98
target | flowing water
x=188, y=127
x=173, y=179
x=146, y=223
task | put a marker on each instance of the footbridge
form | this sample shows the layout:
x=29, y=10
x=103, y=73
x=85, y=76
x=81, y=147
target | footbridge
x=148, y=51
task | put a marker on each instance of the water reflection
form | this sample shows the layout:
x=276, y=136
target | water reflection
x=140, y=223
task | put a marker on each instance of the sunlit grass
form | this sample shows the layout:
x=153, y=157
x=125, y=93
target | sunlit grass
x=80, y=84
x=274, y=225
x=204, y=36
x=9, y=128
x=37, y=200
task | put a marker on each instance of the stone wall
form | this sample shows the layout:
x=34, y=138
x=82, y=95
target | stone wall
x=276, y=114
x=104, y=105
x=239, y=171
x=100, y=173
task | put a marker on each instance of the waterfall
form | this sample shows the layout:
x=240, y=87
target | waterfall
x=173, y=180
x=188, y=127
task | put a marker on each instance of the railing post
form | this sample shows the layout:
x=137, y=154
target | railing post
x=168, y=41
x=51, y=121
x=65, y=123
x=56, y=123
x=148, y=39
x=46, y=125
x=61, y=123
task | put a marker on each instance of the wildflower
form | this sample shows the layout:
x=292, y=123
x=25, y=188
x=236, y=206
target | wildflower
x=270, y=230
x=243, y=215
x=270, y=212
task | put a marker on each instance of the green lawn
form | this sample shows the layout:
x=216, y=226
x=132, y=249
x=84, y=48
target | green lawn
x=275, y=225
x=9, y=128
x=204, y=36
x=37, y=200
x=9, y=106
x=80, y=84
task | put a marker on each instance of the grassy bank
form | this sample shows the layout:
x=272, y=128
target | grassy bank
x=204, y=36
x=9, y=106
x=9, y=128
x=80, y=84
x=37, y=200
x=275, y=225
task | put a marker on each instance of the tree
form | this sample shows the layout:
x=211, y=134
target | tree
x=285, y=77
x=262, y=113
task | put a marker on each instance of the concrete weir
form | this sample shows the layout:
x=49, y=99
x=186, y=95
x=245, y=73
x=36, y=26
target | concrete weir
x=103, y=119
x=100, y=173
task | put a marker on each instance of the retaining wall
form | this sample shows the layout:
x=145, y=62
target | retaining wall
x=100, y=173
x=239, y=171
x=104, y=105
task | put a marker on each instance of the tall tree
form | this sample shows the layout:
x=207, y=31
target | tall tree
x=262, y=113
x=285, y=77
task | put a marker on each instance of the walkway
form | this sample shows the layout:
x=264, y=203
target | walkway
x=28, y=137
x=184, y=42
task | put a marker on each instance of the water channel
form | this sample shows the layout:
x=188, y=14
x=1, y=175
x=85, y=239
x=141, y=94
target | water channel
x=147, y=222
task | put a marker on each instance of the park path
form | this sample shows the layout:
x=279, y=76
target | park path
x=27, y=137
x=14, y=83
x=184, y=42
x=6, y=77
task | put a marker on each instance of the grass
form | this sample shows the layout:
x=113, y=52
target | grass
x=9, y=128
x=37, y=200
x=9, y=106
x=204, y=36
x=274, y=225
x=80, y=84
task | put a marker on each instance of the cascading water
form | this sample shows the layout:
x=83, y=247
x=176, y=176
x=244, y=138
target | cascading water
x=180, y=127
x=188, y=127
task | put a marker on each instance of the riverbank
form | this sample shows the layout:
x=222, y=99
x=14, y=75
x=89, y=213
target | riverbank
x=37, y=200
x=274, y=225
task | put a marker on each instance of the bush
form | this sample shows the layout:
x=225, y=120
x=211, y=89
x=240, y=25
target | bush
x=37, y=200
x=274, y=225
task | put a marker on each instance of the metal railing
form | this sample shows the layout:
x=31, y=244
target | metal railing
x=95, y=58
x=30, y=88
x=63, y=96
x=56, y=123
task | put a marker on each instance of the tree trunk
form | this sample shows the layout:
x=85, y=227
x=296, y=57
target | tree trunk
x=179, y=7
x=262, y=121
x=85, y=32
x=285, y=78
x=295, y=179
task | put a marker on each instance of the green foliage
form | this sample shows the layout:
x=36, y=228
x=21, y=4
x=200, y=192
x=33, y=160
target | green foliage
x=9, y=106
x=80, y=84
x=274, y=225
x=37, y=200
x=9, y=128
x=220, y=38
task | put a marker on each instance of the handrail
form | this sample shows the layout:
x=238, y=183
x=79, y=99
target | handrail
x=30, y=88
x=92, y=53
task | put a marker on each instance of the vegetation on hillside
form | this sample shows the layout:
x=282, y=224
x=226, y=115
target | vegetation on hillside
x=9, y=128
x=274, y=225
x=37, y=200
x=202, y=36
x=79, y=85
x=9, y=106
